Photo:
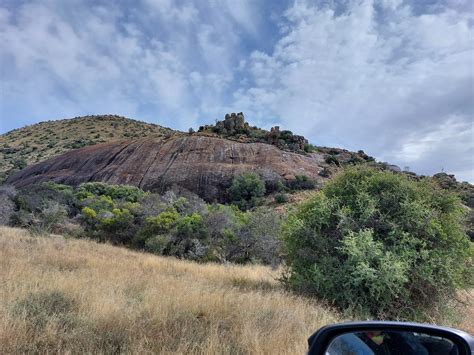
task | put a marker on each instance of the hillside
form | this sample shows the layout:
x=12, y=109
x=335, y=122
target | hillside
x=123, y=151
x=41, y=141
x=77, y=296
x=203, y=165
x=203, y=162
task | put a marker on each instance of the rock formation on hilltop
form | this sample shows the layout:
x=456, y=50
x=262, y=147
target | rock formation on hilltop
x=234, y=126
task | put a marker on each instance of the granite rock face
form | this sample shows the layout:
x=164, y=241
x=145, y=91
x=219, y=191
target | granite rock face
x=201, y=164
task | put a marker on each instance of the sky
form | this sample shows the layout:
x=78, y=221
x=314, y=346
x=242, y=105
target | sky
x=394, y=78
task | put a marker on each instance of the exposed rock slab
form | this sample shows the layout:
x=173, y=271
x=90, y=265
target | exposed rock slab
x=204, y=165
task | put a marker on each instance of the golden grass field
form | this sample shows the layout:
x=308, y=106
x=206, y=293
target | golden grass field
x=74, y=296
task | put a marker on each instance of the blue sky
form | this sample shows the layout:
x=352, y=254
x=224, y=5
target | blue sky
x=391, y=77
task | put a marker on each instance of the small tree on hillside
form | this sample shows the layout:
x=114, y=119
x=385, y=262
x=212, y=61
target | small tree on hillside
x=380, y=245
x=246, y=189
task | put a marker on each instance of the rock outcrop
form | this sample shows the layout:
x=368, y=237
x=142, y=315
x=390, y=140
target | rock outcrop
x=204, y=165
x=234, y=126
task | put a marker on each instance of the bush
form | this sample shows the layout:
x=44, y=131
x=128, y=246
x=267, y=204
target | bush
x=309, y=148
x=7, y=206
x=281, y=198
x=51, y=217
x=332, y=160
x=325, y=172
x=33, y=198
x=157, y=244
x=116, y=192
x=258, y=239
x=246, y=190
x=19, y=163
x=161, y=223
x=191, y=226
x=301, y=182
x=380, y=245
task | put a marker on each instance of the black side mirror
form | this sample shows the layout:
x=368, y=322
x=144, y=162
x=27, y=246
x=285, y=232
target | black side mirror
x=389, y=338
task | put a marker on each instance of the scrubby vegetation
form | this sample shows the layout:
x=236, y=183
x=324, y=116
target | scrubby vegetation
x=180, y=226
x=32, y=144
x=246, y=190
x=378, y=244
x=234, y=126
x=396, y=245
x=465, y=191
x=76, y=296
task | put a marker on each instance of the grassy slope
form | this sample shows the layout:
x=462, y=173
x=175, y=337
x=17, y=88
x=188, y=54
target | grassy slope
x=44, y=140
x=132, y=302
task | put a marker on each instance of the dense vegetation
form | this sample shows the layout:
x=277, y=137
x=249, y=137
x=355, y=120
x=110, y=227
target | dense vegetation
x=182, y=226
x=373, y=243
x=380, y=245
x=246, y=190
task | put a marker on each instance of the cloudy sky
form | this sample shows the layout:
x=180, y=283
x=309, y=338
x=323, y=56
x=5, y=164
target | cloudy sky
x=391, y=77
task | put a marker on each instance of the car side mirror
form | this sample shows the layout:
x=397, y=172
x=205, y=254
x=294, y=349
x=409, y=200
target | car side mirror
x=378, y=337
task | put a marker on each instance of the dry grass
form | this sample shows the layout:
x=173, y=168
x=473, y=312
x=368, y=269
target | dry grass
x=75, y=296
x=467, y=322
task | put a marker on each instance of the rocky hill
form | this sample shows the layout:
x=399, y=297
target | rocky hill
x=119, y=150
x=204, y=165
x=154, y=158
x=32, y=144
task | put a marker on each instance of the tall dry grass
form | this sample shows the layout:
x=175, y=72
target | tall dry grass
x=76, y=296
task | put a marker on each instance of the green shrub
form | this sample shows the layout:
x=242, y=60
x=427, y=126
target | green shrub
x=301, y=182
x=326, y=172
x=120, y=220
x=89, y=213
x=157, y=244
x=246, y=189
x=19, y=163
x=151, y=226
x=332, y=160
x=380, y=245
x=99, y=203
x=161, y=223
x=281, y=198
x=116, y=192
x=191, y=226
x=309, y=148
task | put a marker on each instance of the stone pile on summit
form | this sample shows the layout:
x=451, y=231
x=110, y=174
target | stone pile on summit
x=234, y=126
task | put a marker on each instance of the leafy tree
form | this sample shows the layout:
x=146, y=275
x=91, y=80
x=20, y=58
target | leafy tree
x=156, y=225
x=246, y=189
x=380, y=245
x=161, y=223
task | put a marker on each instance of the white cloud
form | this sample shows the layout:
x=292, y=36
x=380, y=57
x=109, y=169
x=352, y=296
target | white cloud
x=371, y=78
x=99, y=57
x=392, y=77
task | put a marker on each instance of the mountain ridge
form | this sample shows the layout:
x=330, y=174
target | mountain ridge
x=31, y=144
